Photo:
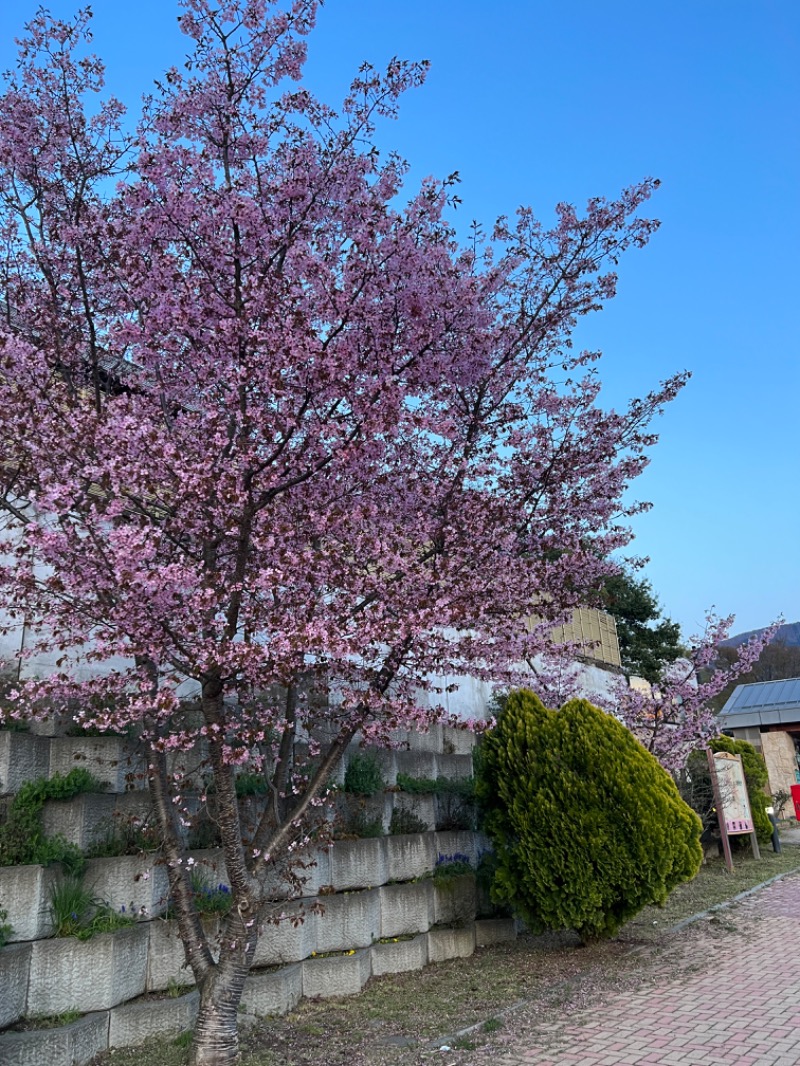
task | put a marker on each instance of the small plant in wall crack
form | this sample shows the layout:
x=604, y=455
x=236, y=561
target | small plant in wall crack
x=77, y=912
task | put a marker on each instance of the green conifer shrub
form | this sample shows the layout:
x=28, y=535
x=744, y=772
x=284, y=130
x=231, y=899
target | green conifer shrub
x=587, y=827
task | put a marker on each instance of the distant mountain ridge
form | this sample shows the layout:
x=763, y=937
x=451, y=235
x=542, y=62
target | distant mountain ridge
x=788, y=634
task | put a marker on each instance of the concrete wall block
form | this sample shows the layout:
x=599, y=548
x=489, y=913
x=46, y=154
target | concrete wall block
x=54, y=726
x=359, y=863
x=455, y=900
x=191, y=765
x=136, y=806
x=23, y=757
x=132, y=1023
x=406, y=908
x=349, y=920
x=82, y=820
x=384, y=756
x=166, y=959
x=494, y=931
x=412, y=855
x=139, y=883
x=338, y=975
x=446, y=944
x=25, y=896
x=462, y=842
x=312, y=867
x=457, y=741
x=401, y=956
x=68, y=974
x=112, y=760
x=15, y=967
x=423, y=805
x=349, y=809
x=275, y=992
x=416, y=763
x=288, y=933
x=75, y=1044
x=416, y=740
x=89, y=1037
x=454, y=767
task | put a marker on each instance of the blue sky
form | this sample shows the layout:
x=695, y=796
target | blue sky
x=535, y=102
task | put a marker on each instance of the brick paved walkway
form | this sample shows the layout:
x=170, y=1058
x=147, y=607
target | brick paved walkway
x=741, y=1009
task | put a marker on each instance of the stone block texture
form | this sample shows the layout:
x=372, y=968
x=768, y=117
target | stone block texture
x=288, y=933
x=75, y=1044
x=400, y=956
x=410, y=856
x=137, y=883
x=69, y=974
x=359, y=864
x=446, y=944
x=25, y=896
x=350, y=920
x=15, y=968
x=110, y=759
x=166, y=959
x=23, y=757
x=275, y=992
x=133, y=1023
x=406, y=908
x=338, y=975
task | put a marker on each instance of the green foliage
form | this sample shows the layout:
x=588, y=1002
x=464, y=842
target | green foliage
x=449, y=866
x=57, y=849
x=124, y=837
x=52, y=1021
x=363, y=776
x=587, y=827
x=105, y=920
x=455, y=798
x=359, y=824
x=405, y=821
x=647, y=642
x=33, y=794
x=779, y=801
x=22, y=838
x=76, y=912
x=176, y=988
x=437, y=786
x=72, y=906
x=250, y=784
x=208, y=898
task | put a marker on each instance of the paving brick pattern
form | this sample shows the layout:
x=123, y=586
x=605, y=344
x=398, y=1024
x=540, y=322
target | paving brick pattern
x=742, y=1007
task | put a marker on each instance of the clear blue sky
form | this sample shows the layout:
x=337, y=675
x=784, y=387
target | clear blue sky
x=536, y=102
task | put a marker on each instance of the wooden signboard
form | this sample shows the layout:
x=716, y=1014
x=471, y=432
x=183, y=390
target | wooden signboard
x=734, y=811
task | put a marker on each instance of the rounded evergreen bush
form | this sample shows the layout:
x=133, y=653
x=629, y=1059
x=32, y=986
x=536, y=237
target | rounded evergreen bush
x=587, y=827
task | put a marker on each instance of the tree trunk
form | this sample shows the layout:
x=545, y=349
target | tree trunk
x=216, y=1033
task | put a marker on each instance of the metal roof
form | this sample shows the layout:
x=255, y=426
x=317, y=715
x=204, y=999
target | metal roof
x=764, y=703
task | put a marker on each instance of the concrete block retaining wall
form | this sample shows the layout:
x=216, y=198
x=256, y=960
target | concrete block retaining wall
x=25, y=895
x=368, y=907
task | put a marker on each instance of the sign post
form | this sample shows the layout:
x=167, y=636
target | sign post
x=733, y=803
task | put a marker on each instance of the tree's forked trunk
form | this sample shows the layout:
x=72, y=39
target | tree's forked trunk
x=216, y=1034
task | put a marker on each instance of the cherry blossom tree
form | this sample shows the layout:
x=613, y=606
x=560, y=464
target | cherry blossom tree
x=676, y=716
x=277, y=448
x=673, y=716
